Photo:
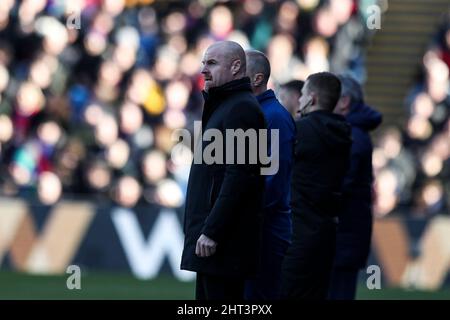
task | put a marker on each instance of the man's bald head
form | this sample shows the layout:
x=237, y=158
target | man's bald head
x=232, y=51
x=223, y=62
x=258, y=70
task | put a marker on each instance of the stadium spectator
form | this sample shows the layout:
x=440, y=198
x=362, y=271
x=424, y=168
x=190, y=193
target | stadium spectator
x=412, y=162
x=120, y=71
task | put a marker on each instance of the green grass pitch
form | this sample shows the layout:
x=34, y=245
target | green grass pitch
x=95, y=285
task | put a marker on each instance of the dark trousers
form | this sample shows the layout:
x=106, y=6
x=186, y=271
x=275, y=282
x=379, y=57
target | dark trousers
x=210, y=287
x=343, y=283
x=266, y=285
x=307, y=267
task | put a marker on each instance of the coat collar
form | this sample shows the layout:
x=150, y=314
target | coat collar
x=216, y=95
x=228, y=88
x=266, y=96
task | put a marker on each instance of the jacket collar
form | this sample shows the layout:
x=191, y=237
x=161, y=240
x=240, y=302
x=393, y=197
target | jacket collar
x=364, y=117
x=228, y=88
x=215, y=96
x=265, y=96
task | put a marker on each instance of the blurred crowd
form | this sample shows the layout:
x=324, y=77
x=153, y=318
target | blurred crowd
x=412, y=163
x=91, y=91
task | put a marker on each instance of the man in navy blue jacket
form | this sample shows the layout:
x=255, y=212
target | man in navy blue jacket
x=277, y=223
x=355, y=220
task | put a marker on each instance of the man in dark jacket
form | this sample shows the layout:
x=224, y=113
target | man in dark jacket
x=277, y=225
x=321, y=159
x=223, y=204
x=355, y=219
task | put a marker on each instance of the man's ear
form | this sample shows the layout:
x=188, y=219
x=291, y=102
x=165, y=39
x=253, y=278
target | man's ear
x=314, y=98
x=258, y=79
x=235, y=67
x=346, y=103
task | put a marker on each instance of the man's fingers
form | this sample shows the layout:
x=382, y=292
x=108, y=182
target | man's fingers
x=205, y=248
x=209, y=251
x=197, y=249
x=202, y=250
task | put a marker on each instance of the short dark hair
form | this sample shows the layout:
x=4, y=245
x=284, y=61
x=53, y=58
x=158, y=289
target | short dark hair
x=294, y=85
x=258, y=63
x=351, y=88
x=327, y=86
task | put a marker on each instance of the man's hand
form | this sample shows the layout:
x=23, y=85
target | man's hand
x=205, y=246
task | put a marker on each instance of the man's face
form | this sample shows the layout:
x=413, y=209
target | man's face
x=342, y=106
x=216, y=68
x=306, y=99
x=289, y=98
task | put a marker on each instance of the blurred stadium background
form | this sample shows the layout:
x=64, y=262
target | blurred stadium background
x=92, y=90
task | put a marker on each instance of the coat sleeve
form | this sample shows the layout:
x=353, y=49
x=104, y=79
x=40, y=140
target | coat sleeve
x=360, y=151
x=240, y=181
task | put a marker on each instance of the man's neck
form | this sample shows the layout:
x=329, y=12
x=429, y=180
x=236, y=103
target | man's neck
x=317, y=108
x=259, y=90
